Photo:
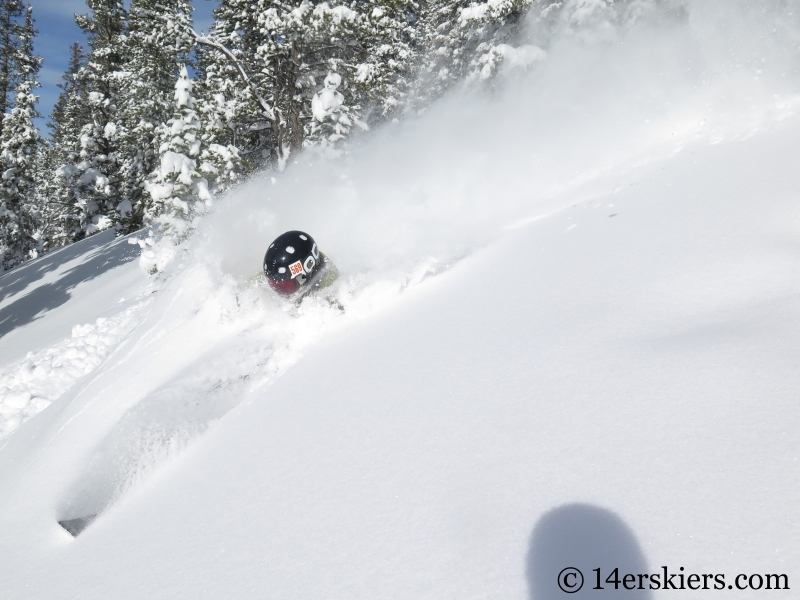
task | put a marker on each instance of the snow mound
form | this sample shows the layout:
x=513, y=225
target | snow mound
x=30, y=385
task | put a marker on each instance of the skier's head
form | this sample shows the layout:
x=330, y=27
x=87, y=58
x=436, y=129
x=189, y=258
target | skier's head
x=290, y=261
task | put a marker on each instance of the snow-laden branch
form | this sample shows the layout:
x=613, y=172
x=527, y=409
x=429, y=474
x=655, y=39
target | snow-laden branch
x=281, y=5
x=207, y=41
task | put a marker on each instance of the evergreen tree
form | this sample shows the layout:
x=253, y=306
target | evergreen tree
x=20, y=238
x=59, y=175
x=156, y=47
x=229, y=110
x=463, y=40
x=70, y=112
x=11, y=30
x=331, y=119
x=286, y=51
x=177, y=182
x=187, y=173
x=96, y=176
x=599, y=20
x=363, y=48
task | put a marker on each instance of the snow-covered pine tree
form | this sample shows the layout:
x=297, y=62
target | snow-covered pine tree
x=464, y=40
x=187, y=172
x=593, y=21
x=331, y=121
x=98, y=172
x=228, y=108
x=69, y=112
x=383, y=75
x=64, y=218
x=286, y=51
x=12, y=13
x=358, y=50
x=20, y=238
x=176, y=183
x=156, y=48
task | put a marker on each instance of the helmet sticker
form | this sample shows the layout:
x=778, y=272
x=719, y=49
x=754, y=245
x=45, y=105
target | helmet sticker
x=290, y=249
x=309, y=264
x=315, y=251
x=296, y=268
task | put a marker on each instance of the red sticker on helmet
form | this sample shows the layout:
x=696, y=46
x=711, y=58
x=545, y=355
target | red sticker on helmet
x=296, y=268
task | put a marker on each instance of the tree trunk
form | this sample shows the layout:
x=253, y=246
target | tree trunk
x=297, y=134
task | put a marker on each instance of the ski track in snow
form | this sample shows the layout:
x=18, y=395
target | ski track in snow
x=272, y=335
x=160, y=426
x=30, y=385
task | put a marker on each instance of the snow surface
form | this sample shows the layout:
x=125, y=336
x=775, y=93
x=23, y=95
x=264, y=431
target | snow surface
x=52, y=331
x=566, y=333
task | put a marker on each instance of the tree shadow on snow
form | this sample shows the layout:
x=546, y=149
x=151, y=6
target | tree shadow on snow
x=584, y=537
x=102, y=256
x=17, y=279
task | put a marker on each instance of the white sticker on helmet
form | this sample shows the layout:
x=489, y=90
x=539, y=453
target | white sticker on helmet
x=315, y=251
x=290, y=249
x=302, y=237
x=282, y=270
x=309, y=264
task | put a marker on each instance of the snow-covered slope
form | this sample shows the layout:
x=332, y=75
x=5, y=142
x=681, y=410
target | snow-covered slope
x=568, y=340
x=60, y=316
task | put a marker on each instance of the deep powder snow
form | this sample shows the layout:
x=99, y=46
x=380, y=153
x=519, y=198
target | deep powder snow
x=565, y=334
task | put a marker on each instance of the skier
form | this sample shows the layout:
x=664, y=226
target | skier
x=294, y=266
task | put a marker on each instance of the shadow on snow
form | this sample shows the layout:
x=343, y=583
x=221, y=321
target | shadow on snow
x=103, y=253
x=584, y=537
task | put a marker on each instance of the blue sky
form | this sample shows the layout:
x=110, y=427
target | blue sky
x=57, y=31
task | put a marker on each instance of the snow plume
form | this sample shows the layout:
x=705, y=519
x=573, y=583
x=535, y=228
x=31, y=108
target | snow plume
x=622, y=84
x=614, y=86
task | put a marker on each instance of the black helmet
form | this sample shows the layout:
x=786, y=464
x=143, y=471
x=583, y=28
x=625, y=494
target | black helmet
x=291, y=260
